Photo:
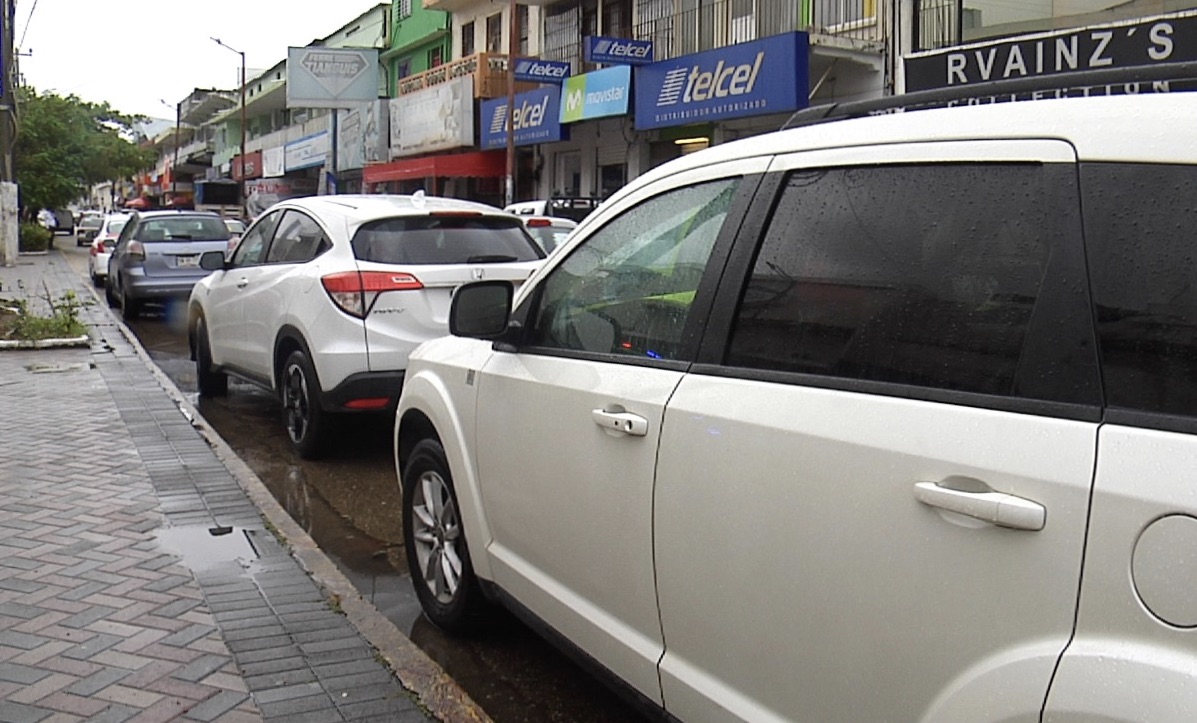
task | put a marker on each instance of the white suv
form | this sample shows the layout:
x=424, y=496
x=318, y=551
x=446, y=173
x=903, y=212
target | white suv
x=879, y=418
x=324, y=298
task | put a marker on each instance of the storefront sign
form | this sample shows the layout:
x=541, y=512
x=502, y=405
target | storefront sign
x=758, y=78
x=252, y=166
x=1163, y=39
x=617, y=51
x=536, y=119
x=599, y=94
x=359, y=137
x=533, y=70
x=320, y=77
x=274, y=162
x=306, y=152
x=262, y=193
x=437, y=118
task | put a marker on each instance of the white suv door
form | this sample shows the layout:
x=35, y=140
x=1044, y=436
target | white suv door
x=871, y=502
x=225, y=300
x=606, y=346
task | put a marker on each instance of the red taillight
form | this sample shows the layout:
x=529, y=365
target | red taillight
x=354, y=292
x=369, y=403
x=94, y=249
x=538, y=222
x=135, y=250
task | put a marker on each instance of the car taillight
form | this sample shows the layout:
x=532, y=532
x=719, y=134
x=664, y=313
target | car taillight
x=135, y=250
x=93, y=249
x=355, y=292
x=538, y=222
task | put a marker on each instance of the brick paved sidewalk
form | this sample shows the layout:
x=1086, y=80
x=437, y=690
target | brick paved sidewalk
x=138, y=581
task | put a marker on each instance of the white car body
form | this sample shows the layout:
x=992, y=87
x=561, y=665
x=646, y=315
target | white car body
x=102, y=245
x=737, y=541
x=281, y=290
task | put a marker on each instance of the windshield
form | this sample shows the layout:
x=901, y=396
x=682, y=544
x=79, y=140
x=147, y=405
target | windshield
x=182, y=228
x=114, y=227
x=445, y=240
x=90, y=222
x=234, y=226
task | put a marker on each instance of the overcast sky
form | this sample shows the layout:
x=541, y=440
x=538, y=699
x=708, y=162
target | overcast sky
x=132, y=53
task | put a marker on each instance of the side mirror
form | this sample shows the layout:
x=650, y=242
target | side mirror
x=481, y=310
x=212, y=260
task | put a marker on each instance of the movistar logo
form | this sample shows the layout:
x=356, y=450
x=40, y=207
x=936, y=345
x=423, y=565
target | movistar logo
x=694, y=84
x=573, y=99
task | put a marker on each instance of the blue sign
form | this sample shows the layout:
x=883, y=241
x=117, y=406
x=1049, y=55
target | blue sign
x=617, y=51
x=757, y=78
x=535, y=116
x=599, y=94
x=533, y=70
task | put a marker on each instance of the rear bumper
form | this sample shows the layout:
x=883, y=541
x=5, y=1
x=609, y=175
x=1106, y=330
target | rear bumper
x=149, y=287
x=364, y=385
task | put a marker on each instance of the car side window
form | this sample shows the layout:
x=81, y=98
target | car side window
x=923, y=275
x=299, y=239
x=251, y=249
x=628, y=288
x=1139, y=228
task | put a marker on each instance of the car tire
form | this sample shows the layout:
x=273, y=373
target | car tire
x=437, y=555
x=209, y=382
x=130, y=308
x=109, y=296
x=306, y=422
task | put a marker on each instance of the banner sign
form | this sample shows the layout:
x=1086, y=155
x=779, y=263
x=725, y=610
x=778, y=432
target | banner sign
x=319, y=77
x=306, y=152
x=360, y=139
x=1151, y=41
x=758, y=78
x=599, y=94
x=617, y=51
x=274, y=162
x=536, y=117
x=533, y=70
x=436, y=118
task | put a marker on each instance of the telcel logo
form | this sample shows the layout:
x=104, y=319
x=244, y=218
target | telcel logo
x=530, y=115
x=694, y=85
x=541, y=70
x=616, y=49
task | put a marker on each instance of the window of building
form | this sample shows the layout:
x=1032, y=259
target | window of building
x=436, y=56
x=494, y=33
x=403, y=68
x=404, y=7
x=617, y=18
x=562, y=22
x=943, y=23
x=467, y=39
x=521, y=15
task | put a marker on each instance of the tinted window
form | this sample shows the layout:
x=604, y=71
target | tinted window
x=921, y=275
x=1139, y=223
x=182, y=228
x=444, y=240
x=628, y=288
x=252, y=247
x=298, y=239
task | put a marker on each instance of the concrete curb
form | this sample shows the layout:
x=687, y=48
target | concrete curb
x=433, y=688
x=46, y=343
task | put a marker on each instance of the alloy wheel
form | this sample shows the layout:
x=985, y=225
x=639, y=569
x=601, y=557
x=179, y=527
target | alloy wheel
x=437, y=533
x=296, y=404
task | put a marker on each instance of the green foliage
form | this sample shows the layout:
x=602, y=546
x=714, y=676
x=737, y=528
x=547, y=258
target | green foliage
x=34, y=237
x=65, y=145
x=17, y=322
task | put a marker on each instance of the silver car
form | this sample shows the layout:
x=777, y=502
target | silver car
x=157, y=257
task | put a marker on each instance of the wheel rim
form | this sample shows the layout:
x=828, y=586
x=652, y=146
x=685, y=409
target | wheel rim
x=295, y=403
x=437, y=535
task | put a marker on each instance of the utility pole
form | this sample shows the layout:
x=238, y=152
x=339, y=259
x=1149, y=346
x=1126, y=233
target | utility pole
x=241, y=181
x=513, y=44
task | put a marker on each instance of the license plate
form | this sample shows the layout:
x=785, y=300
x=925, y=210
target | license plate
x=187, y=262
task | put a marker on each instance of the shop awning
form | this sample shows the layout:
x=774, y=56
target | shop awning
x=475, y=164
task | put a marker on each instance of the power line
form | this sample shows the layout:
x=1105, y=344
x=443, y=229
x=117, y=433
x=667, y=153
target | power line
x=27, y=21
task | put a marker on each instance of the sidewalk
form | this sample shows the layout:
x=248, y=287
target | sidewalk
x=147, y=575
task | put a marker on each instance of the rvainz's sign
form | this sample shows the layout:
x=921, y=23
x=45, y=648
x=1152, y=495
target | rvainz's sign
x=617, y=51
x=600, y=94
x=534, y=119
x=541, y=71
x=1161, y=39
x=757, y=78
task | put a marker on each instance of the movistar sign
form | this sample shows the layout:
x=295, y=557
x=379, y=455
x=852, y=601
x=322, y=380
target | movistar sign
x=541, y=71
x=758, y=78
x=617, y=51
x=599, y=94
x=534, y=117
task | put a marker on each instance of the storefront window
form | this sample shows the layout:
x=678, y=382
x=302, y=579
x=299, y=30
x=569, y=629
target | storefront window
x=467, y=39
x=494, y=33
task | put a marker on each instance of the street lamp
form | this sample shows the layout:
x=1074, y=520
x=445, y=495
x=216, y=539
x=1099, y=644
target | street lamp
x=240, y=181
x=174, y=168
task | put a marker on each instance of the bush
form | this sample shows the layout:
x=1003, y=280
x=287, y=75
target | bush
x=34, y=237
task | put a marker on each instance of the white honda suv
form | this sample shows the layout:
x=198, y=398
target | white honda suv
x=325, y=297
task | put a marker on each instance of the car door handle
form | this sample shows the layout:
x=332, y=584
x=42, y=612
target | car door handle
x=623, y=422
x=242, y=283
x=998, y=508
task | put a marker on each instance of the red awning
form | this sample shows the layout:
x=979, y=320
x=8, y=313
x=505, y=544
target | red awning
x=475, y=164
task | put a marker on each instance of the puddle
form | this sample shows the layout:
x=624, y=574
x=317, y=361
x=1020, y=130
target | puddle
x=56, y=368
x=205, y=548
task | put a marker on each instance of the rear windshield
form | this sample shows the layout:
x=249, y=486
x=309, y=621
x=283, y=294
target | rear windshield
x=445, y=240
x=91, y=222
x=549, y=237
x=183, y=228
x=114, y=227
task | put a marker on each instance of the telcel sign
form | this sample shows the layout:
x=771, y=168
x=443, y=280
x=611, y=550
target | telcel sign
x=617, y=51
x=766, y=76
x=541, y=71
x=535, y=119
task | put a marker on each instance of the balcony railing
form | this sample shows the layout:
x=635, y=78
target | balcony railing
x=489, y=71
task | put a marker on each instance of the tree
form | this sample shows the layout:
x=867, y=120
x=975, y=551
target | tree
x=65, y=145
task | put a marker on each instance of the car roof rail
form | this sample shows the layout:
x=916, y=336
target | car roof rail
x=1161, y=78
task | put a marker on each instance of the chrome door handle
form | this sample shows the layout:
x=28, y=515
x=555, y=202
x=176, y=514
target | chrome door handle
x=242, y=283
x=998, y=508
x=623, y=422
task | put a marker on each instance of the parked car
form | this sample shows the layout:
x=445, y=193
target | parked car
x=236, y=231
x=574, y=208
x=872, y=418
x=549, y=232
x=102, y=245
x=88, y=226
x=325, y=297
x=156, y=257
